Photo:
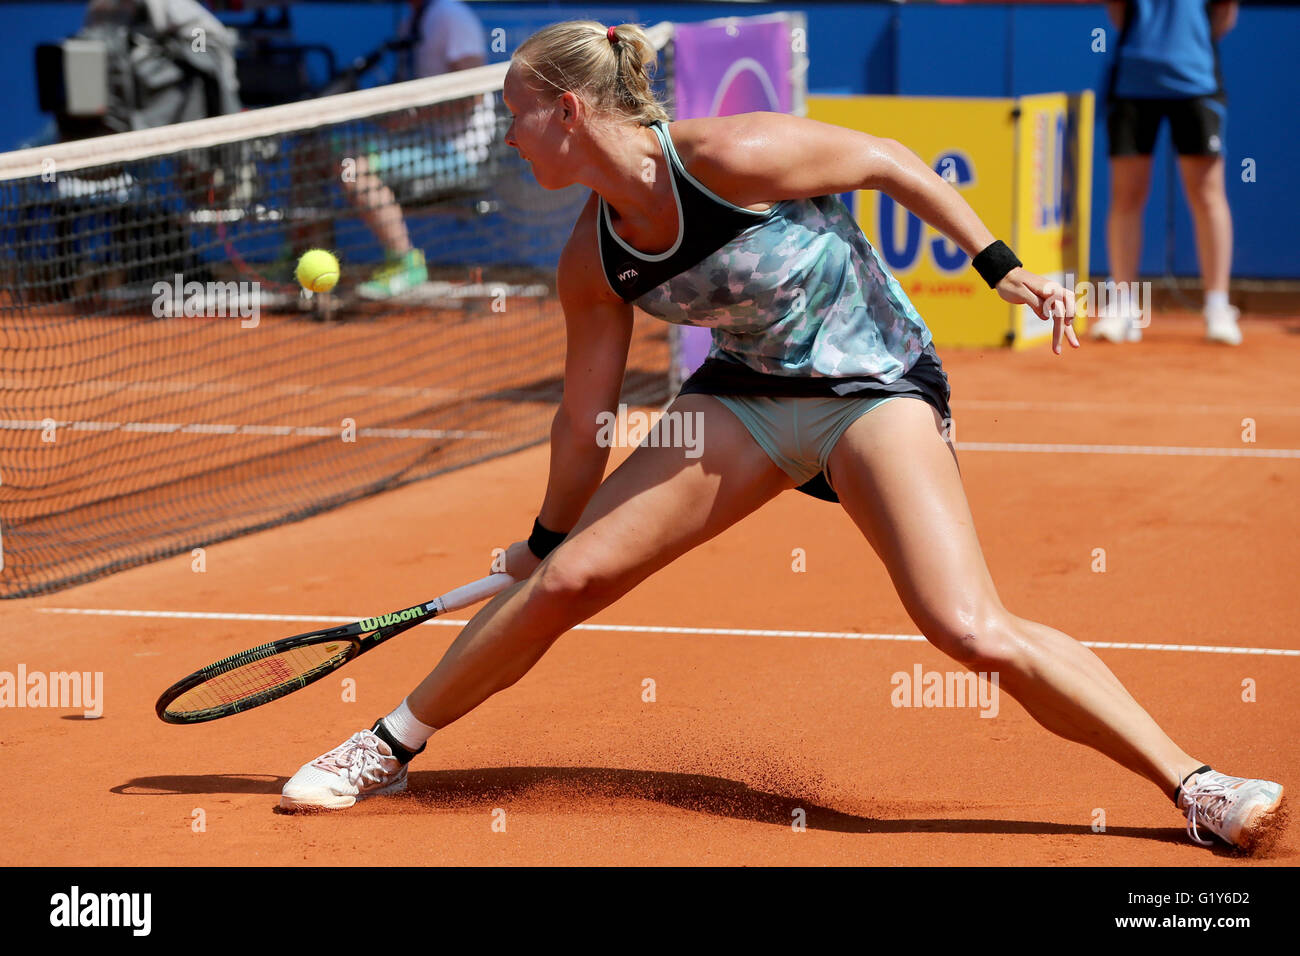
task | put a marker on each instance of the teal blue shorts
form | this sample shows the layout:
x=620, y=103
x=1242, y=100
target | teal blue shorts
x=798, y=434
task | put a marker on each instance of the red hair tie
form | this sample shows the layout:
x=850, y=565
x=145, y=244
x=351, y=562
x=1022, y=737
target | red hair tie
x=609, y=35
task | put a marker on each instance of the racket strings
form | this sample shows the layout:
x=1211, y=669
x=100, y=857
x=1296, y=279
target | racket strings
x=259, y=677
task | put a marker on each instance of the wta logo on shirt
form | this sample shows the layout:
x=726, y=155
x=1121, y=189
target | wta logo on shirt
x=627, y=273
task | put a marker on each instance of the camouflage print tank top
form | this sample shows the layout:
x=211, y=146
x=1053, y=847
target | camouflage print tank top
x=793, y=293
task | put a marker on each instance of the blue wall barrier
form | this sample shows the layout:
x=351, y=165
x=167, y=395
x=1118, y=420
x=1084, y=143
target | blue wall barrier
x=911, y=49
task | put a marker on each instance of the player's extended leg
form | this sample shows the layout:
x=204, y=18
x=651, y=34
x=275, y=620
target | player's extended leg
x=657, y=505
x=898, y=480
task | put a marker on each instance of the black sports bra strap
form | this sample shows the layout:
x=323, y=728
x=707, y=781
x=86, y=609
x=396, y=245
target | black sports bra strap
x=705, y=224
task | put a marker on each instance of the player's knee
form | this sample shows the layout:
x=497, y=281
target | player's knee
x=983, y=635
x=575, y=583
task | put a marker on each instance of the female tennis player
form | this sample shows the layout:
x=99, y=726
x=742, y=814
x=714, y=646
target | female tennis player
x=821, y=376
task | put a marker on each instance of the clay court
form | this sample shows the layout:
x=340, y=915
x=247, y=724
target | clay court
x=772, y=686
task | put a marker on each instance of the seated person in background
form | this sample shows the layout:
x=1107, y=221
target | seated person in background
x=448, y=37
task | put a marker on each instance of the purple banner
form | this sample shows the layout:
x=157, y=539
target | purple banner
x=719, y=69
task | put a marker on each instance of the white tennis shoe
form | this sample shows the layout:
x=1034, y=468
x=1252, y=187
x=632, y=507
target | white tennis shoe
x=1221, y=325
x=1115, y=326
x=363, y=766
x=1237, y=810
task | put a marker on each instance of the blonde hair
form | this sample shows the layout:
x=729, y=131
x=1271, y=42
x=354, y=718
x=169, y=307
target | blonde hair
x=578, y=56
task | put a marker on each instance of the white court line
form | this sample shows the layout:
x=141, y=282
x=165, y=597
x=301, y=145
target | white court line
x=1177, y=450
x=168, y=428
x=1132, y=407
x=652, y=629
x=172, y=387
x=422, y=433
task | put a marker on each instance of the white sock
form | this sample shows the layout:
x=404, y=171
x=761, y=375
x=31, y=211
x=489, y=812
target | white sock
x=406, y=729
x=1216, y=301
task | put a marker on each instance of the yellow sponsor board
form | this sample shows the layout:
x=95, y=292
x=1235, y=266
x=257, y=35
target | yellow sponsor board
x=981, y=147
x=1053, y=195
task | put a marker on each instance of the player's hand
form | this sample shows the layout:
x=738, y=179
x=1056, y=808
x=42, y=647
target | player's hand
x=520, y=561
x=1051, y=302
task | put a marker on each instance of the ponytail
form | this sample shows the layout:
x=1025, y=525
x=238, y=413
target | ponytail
x=611, y=68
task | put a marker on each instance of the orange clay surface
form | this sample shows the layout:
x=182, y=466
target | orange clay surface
x=744, y=730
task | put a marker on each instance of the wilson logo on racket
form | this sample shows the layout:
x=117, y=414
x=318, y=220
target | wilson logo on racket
x=397, y=617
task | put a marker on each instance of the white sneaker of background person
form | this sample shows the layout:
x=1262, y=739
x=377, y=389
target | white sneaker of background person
x=1221, y=320
x=1117, y=323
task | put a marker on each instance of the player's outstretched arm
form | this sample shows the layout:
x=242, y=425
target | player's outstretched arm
x=763, y=157
x=598, y=328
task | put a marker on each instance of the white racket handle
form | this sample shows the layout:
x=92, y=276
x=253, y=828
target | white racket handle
x=472, y=593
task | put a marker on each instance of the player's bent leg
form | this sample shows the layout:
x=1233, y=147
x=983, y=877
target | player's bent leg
x=898, y=480
x=660, y=503
x=657, y=505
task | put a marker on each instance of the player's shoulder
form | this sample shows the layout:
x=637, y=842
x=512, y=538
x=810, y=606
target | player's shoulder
x=581, y=275
x=731, y=142
x=737, y=157
x=725, y=135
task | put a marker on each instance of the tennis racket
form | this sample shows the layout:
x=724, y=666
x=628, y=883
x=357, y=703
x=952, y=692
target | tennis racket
x=271, y=671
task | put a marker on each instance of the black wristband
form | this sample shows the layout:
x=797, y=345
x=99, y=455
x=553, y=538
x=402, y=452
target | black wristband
x=995, y=262
x=542, y=542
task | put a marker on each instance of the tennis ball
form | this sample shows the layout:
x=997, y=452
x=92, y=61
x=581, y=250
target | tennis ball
x=318, y=270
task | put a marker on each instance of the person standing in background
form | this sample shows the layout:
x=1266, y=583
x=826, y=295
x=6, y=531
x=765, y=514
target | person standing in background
x=447, y=36
x=1167, y=66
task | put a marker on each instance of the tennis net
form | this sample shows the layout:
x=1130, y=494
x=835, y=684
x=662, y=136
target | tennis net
x=164, y=381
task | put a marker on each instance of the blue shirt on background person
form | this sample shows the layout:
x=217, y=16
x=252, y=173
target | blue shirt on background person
x=1166, y=51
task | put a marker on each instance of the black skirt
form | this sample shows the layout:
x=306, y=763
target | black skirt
x=926, y=380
